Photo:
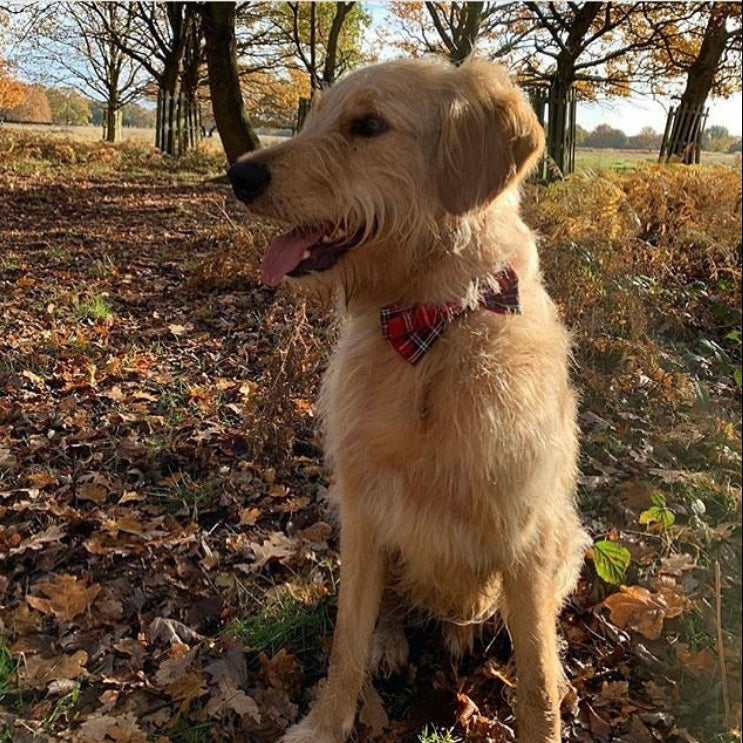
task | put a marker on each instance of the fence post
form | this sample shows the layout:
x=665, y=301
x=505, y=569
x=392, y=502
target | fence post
x=159, y=120
x=538, y=101
x=303, y=108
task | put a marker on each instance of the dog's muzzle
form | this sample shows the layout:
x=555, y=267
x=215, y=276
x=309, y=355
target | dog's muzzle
x=249, y=179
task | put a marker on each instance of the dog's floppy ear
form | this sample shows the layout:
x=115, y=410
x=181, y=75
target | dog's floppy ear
x=490, y=137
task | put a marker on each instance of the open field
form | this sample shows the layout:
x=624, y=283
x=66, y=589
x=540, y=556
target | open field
x=586, y=158
x=168, y=566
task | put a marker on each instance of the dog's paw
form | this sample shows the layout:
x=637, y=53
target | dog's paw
x=389, y=650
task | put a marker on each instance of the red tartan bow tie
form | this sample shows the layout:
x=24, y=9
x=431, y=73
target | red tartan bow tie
x=411, y=330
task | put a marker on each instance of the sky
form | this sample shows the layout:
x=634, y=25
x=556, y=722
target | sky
x=628, y=114
x=632, y=114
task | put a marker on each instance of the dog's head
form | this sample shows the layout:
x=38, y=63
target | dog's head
x=385, y=157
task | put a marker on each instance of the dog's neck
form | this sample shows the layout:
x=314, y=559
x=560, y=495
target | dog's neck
x=465, y=250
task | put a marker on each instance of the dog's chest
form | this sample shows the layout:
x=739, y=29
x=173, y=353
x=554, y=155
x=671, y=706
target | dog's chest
x=372, y=400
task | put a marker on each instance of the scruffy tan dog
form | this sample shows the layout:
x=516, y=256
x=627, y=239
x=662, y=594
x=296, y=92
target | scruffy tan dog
x=448, y=415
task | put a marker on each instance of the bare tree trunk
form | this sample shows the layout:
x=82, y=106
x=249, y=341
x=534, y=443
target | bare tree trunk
x=699, y=81
x=233, y=124
x=111, y=118
x=331, y=55
x=562, y=81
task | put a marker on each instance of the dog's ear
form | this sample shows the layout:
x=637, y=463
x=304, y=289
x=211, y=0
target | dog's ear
x=490, y=137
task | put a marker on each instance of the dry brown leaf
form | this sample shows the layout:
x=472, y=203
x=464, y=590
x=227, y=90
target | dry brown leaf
x=317, y=533
x=172, y=631
x=276, y=547
x=188, y=687
x=93, y=492
x=636, y=608
x=37, y=672
x=176, y=665
x=110, y=729
x=281, y=671
x=67, y=597
x=248, y=516
x=229, y=696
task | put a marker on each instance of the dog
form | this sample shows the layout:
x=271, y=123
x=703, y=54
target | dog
x=448, y=416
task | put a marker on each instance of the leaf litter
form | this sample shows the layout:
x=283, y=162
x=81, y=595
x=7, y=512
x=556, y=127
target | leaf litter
x=169, y=566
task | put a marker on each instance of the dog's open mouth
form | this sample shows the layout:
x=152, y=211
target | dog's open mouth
x=304, y=250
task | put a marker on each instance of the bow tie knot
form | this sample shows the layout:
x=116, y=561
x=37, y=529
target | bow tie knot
x=412, y=329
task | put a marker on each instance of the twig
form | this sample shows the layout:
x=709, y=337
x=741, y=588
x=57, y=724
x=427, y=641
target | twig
x=720, y=646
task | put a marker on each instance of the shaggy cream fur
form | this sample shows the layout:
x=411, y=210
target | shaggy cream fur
x=455, y=477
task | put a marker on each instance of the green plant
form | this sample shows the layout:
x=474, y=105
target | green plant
x=437, y=735
x=188, y=493
x=96, y=308
x=658, y=513
x=8, y=668
x=62, y=707
x=611, y=561
x=188, y=731
x=285, y=622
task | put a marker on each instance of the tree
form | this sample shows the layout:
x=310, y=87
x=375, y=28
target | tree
x=646, y=139
x=68, y=107
x=11, y=91
x=235, y=129
x=706, y=51
x=581, y=135
x=134, y=114
x=33, y=108
x=605, y=136
x=157, y=38
x=454, y=30
x=325, y=38
x=272, y=97
x=564, y=36
x=79, y=50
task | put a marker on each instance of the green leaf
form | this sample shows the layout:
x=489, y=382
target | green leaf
x=611, y=561
x=658, y=499
x=738, y=376
x=658, y=515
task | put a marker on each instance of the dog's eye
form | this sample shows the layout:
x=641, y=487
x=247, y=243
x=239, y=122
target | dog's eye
x=368, y=126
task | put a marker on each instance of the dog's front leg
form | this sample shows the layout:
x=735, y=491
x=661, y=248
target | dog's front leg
x=363, y=569
x=531, y=609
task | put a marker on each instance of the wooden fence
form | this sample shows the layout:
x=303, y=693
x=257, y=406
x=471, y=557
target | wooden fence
x=682, y=138
x=178, y=123
x=558, y=121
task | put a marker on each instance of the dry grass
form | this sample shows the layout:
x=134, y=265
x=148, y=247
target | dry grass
x=632, y=257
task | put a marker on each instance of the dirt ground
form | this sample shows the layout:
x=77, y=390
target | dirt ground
x=169, y=566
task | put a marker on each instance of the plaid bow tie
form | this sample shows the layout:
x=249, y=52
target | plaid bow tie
x=411, y=330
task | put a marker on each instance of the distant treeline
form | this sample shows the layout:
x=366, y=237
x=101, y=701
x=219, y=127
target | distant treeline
x=68, y=107
x=715, y=139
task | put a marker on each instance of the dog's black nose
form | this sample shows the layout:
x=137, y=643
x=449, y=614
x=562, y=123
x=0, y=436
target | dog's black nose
x=249, y=179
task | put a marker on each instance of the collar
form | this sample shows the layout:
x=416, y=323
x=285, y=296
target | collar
x=412, y=329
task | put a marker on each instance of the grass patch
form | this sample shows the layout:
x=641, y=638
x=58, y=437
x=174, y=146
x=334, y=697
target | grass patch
x=285, y=622
x=96, y=308
x=437, y=735
x=188, y=731
x=8, y=669
x=186, y=493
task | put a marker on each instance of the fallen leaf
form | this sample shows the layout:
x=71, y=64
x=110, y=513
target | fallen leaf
x=636, y=608
x=37, y=672
x=67, y=597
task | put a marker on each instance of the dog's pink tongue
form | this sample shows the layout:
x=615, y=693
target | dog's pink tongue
x=285, y=254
